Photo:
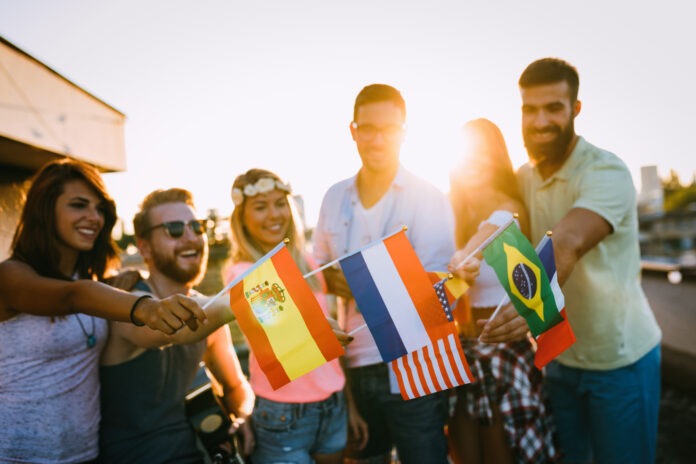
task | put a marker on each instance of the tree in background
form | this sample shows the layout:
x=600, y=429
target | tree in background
x=679, y=197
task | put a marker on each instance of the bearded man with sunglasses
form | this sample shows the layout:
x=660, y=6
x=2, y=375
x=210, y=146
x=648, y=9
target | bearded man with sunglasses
x=145, y=377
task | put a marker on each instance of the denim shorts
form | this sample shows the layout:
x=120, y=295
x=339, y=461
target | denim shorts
x=293, y=432
x=607, y=416
x=415, y=427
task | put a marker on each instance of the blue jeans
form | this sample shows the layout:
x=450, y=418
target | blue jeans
x=607, y=416
x=415, y=426
x=293, y=432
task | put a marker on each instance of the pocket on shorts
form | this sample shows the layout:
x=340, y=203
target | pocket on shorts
x=273, y=416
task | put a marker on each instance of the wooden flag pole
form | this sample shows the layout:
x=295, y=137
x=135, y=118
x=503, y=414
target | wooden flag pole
x=241, y=276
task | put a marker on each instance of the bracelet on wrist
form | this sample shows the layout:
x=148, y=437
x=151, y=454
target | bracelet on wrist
x=132, y=311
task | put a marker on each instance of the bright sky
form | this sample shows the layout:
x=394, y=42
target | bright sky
x=212, y=88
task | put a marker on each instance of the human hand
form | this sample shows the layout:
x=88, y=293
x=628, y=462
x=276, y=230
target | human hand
x=169, y=315
x=506, y=326
x=358, y=432
x=125, y=279
x=336, y=283
x=469, y=270
x=342, y=336
x=245, y=435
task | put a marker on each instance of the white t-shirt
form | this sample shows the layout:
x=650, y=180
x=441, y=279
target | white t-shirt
x=367, y=227
x=344, y=226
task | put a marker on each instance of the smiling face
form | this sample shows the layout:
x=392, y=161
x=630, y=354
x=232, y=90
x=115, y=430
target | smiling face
x=183, y=259
x=79, y=219
x=266, y=218
x=548, y=115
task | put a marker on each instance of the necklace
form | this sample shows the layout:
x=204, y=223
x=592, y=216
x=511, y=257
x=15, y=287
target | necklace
x=91, y=337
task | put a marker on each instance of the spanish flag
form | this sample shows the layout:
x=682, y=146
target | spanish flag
x=524, y=278
x=282, y=320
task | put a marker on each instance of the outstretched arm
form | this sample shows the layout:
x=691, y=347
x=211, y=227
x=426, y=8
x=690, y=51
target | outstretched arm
x=22, y=290
x=577, y=233
x=219, y=313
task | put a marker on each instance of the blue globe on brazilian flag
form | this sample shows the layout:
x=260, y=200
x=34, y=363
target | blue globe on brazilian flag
x=523, y=277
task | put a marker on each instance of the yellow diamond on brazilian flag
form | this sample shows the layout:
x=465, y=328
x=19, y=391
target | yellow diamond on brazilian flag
x=523, y=277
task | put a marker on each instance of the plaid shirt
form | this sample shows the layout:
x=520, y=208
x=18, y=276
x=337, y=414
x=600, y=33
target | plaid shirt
x=505, y=375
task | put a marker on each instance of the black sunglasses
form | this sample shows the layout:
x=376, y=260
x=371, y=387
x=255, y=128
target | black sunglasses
x=175, y=229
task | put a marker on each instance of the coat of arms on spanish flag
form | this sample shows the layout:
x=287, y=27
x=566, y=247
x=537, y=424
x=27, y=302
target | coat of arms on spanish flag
x=282, y=320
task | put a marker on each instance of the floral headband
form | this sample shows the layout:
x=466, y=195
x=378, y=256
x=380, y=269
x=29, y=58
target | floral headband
x=263, y=185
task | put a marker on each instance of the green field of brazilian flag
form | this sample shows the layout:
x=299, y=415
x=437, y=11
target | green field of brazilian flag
x=522, y=275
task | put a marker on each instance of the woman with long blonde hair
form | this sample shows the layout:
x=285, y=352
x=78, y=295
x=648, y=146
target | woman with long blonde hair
x=305, y=420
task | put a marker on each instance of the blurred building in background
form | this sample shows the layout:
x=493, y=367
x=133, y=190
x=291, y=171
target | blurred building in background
x=43, y=117
x=667, y=238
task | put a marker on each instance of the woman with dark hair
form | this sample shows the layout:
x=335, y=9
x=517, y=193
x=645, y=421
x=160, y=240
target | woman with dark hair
x=502, y=417
x=49, y=382
x=305, y=420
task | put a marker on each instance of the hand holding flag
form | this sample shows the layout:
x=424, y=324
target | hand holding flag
x=395, y=296
x=530, y=281
x=441, y=364
x=524, y=279
x=282, y=320
x=560, y=337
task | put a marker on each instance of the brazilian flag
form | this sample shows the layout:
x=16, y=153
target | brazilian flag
x=523, y=277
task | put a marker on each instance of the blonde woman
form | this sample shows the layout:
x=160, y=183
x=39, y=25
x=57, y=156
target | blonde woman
x=305, y=420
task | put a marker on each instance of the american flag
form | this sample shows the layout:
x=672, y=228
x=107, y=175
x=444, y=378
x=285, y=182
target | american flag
x=433, y=368
x=442, y=296
x=441, y=364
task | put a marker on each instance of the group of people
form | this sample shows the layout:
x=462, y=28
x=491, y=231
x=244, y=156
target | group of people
x=89, y=372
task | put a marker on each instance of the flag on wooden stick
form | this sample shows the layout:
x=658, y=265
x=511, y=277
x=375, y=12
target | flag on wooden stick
x=282, y=320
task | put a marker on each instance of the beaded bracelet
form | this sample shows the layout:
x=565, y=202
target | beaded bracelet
x=135, y=303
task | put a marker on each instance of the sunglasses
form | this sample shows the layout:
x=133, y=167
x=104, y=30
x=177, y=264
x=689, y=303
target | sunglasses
x=175, y=229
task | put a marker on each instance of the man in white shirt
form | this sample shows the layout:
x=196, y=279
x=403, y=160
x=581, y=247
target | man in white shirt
x=376, y=202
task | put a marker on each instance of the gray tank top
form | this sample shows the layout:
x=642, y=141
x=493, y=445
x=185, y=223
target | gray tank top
x=143, y=413
x=49, y=388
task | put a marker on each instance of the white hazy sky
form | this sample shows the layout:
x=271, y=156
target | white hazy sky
x=211, y=88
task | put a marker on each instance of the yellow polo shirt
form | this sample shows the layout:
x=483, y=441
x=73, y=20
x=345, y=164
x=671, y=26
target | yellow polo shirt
x=605, y=303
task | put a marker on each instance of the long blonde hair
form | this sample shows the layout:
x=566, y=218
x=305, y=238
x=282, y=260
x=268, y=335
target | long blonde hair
x=245, y=248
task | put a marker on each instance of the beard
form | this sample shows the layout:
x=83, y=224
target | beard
x=552, y=150
x=168, y=266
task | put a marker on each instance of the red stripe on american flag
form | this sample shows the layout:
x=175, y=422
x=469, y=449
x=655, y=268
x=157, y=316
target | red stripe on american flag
x=404, y=388
x=432, y=368
x=412, y=377
x=430, y=356
x=421, y=367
